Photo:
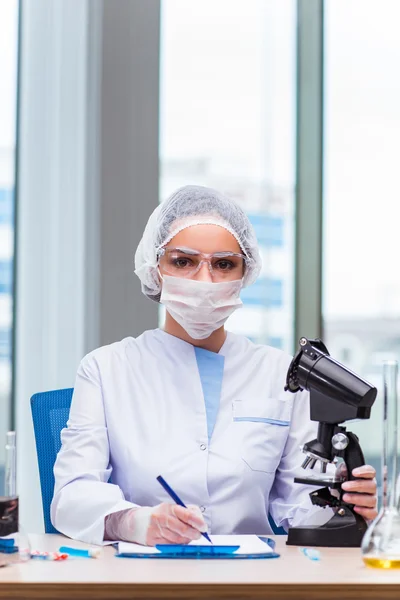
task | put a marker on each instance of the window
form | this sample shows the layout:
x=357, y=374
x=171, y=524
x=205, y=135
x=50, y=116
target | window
x=361, y=307
x=227, y=118
x=8, y=86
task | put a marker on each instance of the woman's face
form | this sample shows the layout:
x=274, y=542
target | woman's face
x=205, y=239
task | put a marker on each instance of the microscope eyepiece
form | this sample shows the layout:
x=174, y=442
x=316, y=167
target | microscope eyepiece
x=339, y=394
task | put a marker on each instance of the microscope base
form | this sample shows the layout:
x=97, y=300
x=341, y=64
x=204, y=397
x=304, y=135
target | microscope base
x=339, y=532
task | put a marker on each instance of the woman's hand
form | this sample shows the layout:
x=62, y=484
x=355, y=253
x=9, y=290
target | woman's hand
x=362, y=492
x=173, y=524
x=161, y=524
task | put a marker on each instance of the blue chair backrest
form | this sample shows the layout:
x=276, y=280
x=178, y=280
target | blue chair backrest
x=50, y=411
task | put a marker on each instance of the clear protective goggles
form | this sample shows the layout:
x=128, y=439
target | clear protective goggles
x=186, y=262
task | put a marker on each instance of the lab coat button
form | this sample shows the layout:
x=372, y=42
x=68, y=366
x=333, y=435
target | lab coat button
x=202, y=508
x=203, y=446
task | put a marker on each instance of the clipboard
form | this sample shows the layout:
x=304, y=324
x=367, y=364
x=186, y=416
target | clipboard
x=208, y=552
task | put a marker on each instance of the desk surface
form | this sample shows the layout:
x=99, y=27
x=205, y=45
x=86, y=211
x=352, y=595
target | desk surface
x=340, y=574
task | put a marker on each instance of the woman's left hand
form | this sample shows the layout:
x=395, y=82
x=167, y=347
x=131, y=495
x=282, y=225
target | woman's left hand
x=362, y=491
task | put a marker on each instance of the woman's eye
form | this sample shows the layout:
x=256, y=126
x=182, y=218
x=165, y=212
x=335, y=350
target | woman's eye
x=225, y=265
x=182, y=263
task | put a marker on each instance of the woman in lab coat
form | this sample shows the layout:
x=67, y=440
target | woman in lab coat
x=201, y=406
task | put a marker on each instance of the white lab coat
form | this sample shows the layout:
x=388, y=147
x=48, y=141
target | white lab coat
x=138, y=411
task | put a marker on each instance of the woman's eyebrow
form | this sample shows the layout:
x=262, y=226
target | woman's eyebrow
x=186, y=250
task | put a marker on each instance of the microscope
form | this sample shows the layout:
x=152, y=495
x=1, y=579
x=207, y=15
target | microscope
x=336, y=395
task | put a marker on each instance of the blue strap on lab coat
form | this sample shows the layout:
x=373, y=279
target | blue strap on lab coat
x=211, y=371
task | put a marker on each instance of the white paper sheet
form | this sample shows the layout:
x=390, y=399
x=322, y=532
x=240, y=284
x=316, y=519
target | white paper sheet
x=249, y=544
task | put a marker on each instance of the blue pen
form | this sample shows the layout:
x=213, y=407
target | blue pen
x=176, y=499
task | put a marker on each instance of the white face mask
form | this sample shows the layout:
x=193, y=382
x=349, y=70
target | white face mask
x=200, y=307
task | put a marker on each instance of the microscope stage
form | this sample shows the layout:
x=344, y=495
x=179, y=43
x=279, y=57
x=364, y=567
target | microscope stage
x=320, y=479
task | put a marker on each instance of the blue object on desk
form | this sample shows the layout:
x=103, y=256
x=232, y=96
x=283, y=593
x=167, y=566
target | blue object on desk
x=184, y=549
x=311, y=553
x=176, y=499
x=81, y=552
x=7, y=546
x=8, y=542
x=203, y=552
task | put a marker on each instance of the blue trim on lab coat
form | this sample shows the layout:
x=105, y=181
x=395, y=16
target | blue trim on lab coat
x=211, y=371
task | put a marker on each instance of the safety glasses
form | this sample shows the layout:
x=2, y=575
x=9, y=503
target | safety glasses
x=186, y=262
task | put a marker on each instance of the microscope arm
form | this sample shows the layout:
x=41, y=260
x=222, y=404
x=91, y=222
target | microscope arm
x=353, y=455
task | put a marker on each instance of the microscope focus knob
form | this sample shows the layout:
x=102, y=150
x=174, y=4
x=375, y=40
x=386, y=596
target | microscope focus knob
x=340, y=441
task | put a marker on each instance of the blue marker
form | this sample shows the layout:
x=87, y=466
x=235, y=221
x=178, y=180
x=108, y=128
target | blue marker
x=83, y=552
x=176, y=499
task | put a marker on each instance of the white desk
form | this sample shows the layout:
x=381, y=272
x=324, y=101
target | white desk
x=340, y=575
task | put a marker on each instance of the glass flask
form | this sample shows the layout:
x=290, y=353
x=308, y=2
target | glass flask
x=14, y=544
x=380, y=547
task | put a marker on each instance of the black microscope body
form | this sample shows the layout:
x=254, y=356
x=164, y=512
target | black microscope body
x=336, y=395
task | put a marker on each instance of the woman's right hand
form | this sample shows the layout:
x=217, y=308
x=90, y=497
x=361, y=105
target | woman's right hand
x=173, y=524
x=161, y=524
